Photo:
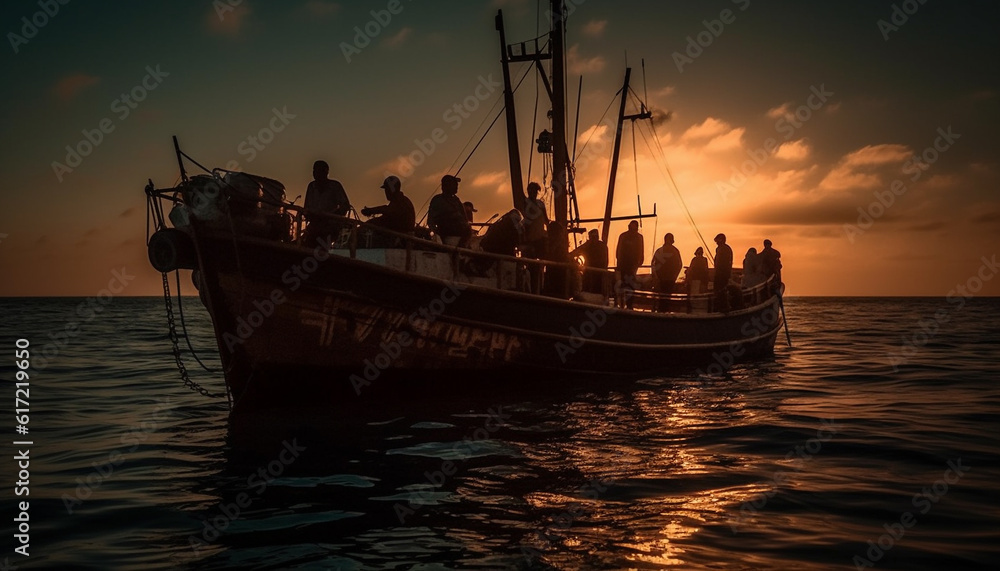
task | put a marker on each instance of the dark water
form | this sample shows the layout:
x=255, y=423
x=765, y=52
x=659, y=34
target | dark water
x=796, y=463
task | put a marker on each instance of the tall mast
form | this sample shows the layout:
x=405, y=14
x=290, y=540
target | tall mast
x=614, y=158
x=560, y=154
x=516, y=183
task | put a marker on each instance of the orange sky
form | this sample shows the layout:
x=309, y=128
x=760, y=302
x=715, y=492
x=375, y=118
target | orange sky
x=813, y=104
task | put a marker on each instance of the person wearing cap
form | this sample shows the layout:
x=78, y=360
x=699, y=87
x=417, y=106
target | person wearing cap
x=470, y=210
x=324, y=197
x=770, y=263
x=630, y=254
x=446, y=215
x=398, y=215
x=667, y=266
x=723, y=271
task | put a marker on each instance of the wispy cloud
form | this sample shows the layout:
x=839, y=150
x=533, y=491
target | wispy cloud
x=399, y=38
x=580, y=65
x=595, y=28
x=227, y=20
x=67, y=88
x=794, y=150
x=707, y=129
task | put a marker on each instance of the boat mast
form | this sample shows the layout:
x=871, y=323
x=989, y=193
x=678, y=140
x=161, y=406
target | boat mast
x=514, y=154
x=560, y=153
x=614, y=158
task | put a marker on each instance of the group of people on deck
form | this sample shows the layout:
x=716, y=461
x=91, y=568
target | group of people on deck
x=531, y=233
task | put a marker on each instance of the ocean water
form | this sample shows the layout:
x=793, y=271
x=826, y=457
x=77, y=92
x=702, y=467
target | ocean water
x=872, y=442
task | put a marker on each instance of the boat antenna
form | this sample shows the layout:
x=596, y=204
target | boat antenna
x=180, y=160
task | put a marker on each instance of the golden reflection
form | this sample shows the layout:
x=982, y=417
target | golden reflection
x=653, y=451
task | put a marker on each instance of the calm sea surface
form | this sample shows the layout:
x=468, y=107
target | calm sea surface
x=824, y=457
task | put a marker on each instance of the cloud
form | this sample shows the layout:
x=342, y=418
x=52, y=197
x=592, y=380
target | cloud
x=70, y=86
x=858, y=170
x=227, y=20
x=727, y=141
x=793, y=150
x=783, y=110
x=595, y=28
x=709, y=128
x=878, y=155
x=399, y=38
x=579, y=65
x=490, y=178
x=322, y=9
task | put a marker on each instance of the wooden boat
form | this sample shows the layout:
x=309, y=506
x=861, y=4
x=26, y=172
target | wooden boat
x=364, y=309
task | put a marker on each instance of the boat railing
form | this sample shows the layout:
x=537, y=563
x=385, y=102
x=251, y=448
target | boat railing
x=262, y=217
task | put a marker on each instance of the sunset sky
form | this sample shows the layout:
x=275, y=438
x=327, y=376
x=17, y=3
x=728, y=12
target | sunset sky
x=822, y=106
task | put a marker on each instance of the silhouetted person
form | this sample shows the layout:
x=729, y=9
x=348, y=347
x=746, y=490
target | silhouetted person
x=397, y=216
x=535, y=220
x=470, y=211
x=667, y=266
x=770, y=264
x=630, y=255
x=697, y=273
x=595, y=258
x=504, y=235
x=446, y=215
x=555, y=251
x=752, y=273
x=723, y=271
x=324, y=196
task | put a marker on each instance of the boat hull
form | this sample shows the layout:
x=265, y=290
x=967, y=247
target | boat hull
x=297, y=326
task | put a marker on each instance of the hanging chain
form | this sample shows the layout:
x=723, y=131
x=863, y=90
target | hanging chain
x=172, y=333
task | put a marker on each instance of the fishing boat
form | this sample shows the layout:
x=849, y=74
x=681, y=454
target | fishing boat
x=301, y=320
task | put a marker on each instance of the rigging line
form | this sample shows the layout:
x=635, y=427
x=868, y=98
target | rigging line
x=677, y=189
x=635, y=166
x=666, y=175
x=531, y=137
x=481, y=139
x=495, y=119
x=599, y=123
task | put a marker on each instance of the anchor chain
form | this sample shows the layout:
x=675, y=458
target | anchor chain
x=174, y=341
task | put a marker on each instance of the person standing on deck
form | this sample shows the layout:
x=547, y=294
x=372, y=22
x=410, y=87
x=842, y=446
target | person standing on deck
x=630, y=255
x=667, y=266
x=446, y=215
x=752, y=273
x=595, y=257
x=770, y=263
x=397, y=216
x=723, y=271
x=324, y=196
x=535, y=220
x=697, y=273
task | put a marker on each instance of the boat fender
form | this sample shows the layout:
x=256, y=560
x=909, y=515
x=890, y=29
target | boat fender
x=170, y=249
